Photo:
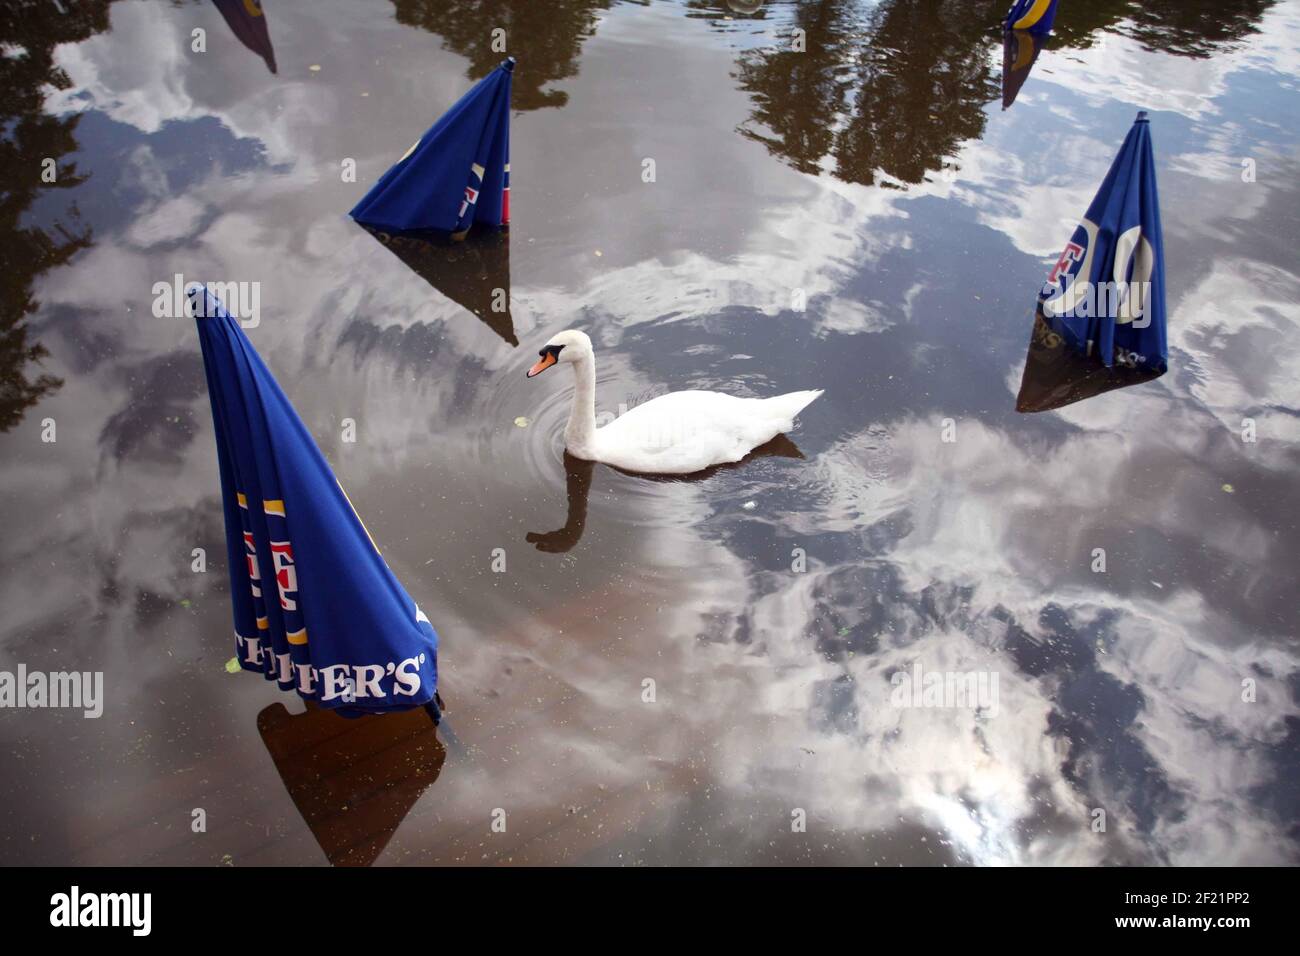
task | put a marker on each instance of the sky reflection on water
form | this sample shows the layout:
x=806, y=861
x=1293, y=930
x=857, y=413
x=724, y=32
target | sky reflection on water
x=877, y=173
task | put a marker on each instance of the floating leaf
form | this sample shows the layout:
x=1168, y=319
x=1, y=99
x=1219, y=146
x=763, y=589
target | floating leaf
x=232, y=666
x=1229, y=489
x=521, y=422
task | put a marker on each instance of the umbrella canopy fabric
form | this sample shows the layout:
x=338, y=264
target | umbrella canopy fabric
x=1106, y=294
x=316, y=608
x=457, y=174
x=1036, y=16
x=248, y=22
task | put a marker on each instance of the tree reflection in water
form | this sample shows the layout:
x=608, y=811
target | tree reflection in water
x=546, y=37
x=31, y=144
x=884, y=93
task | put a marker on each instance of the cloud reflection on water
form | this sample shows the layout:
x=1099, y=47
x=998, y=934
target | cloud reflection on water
x=1119, y=691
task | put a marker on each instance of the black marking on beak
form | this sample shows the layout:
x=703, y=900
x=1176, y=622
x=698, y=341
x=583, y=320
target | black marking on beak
x=550, y=355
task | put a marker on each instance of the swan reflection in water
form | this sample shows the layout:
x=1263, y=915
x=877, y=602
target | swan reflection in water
x=353, y=781
x=577, y=484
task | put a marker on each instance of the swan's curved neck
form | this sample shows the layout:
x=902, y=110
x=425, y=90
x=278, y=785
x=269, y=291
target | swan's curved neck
x=580, y=435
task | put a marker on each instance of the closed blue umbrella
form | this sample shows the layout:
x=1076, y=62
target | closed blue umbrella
x=457, y=174
x=1036, y=16
x=1106, y=294
x=316, y=608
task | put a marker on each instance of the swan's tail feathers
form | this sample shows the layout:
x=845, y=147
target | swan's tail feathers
x=790, y=404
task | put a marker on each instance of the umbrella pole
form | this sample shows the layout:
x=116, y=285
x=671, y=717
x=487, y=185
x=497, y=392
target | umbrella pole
x=434, y=708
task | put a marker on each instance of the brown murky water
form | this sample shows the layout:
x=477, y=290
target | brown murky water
x=876, y=173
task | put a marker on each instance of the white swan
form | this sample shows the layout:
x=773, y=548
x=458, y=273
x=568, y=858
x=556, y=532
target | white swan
x=674, y=434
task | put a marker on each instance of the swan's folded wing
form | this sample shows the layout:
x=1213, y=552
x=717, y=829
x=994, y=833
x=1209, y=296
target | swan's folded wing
x=684, y=432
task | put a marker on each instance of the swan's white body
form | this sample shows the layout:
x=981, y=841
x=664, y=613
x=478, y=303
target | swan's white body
x=674, y=434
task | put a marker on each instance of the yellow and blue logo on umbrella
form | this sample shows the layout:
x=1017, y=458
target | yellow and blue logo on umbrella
x=316, y=607
x=457, y=174
x=1036, y=16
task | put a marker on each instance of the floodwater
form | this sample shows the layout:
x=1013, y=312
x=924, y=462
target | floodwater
x=1147, y=713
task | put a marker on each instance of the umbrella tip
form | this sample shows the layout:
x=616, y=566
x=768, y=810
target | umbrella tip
x=1142, y=116
x=196, y=293
x=509, y=64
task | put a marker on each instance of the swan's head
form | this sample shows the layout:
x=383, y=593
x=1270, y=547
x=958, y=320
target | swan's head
x=568, y=346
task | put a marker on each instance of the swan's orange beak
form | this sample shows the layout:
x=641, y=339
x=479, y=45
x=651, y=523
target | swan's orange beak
x=547, y=360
